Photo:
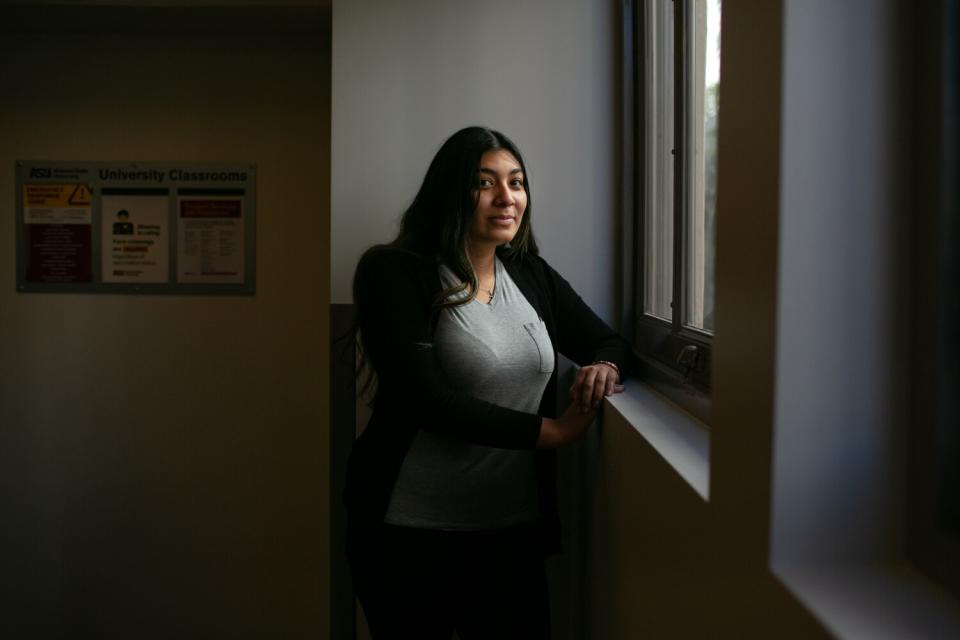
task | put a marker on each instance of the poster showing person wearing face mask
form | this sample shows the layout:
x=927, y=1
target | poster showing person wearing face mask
x=135, y=235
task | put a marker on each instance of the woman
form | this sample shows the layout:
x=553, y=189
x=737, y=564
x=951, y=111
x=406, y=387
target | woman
x=451, y=488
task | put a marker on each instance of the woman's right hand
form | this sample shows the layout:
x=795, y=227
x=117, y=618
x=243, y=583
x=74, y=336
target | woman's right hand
x=556, y=432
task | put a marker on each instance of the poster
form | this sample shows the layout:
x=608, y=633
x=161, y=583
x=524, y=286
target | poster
x=58, y=220
x=135, y=227
x=134, y=235
x=210, y=238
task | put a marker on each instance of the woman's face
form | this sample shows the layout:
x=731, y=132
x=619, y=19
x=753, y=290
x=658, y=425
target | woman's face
x=501, y=199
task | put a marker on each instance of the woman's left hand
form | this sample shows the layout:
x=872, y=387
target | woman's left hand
x=593, y=382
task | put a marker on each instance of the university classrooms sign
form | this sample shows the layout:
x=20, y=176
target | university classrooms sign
x=141, y=227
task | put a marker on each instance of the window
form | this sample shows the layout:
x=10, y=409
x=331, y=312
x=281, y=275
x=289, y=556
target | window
x=676, y=61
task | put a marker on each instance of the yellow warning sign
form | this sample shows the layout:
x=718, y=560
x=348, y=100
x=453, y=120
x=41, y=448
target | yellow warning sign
x=57, y=195
x=81, y=196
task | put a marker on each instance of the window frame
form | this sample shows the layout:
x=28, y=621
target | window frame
x=659, y=343
x=933, y=482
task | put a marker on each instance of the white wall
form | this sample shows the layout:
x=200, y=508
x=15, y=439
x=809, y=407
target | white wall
x=841, y=379
x=408, y=74
x=807, y=385
x=163, y=458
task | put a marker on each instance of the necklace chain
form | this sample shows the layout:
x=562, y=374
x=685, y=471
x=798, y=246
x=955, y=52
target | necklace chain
x=492, y=289
x=489, y=291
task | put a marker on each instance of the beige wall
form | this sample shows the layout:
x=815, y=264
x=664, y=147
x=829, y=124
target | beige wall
x=163, y=459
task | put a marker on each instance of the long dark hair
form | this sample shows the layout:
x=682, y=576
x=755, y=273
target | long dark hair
x=437, y=223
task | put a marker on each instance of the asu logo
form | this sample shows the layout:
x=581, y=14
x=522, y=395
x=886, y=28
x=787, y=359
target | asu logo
x=40, y=172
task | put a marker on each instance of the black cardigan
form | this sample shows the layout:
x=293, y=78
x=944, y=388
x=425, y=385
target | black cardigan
x=394, y=291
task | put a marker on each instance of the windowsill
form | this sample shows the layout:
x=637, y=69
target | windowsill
x=873, y=600
x=682, y=440
x=854, y=600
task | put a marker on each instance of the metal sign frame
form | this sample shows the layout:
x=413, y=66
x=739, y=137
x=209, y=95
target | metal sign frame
x=203, y=202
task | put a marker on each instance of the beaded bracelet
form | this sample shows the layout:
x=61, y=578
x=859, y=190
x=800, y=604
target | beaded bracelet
x=609, y=364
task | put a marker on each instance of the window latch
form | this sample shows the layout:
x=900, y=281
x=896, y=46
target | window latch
x=689, y=358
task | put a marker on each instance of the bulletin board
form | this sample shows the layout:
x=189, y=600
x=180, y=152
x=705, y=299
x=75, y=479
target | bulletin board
x=136, y=227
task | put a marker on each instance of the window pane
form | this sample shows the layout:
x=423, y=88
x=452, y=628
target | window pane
x=704, y=91
x=658, y=159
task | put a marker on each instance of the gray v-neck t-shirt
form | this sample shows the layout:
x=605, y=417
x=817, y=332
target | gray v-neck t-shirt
x=498, y=352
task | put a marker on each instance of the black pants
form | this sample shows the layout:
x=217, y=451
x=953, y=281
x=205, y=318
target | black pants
x=423, y=584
